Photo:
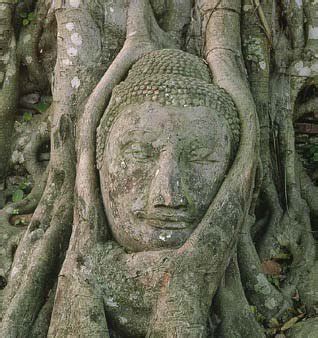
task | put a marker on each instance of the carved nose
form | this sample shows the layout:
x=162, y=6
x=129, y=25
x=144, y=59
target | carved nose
x=166, y=188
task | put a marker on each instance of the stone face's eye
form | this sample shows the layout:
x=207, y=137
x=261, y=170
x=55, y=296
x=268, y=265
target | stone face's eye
x=201, y=156
x=139, y=151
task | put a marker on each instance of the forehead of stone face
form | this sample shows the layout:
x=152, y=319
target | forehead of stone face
x=152, y=122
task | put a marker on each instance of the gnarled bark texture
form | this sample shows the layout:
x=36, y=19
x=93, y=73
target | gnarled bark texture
x=250, y=268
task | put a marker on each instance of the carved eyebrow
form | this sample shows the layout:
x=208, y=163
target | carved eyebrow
x=126, y=137
x=196, y=145
x=137, y=131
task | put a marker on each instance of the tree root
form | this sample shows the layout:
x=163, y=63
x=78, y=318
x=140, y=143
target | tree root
x=40, y=135
x=28, y=45
x=42, y=249
x=236, y=315
x=260, y=293
x=143, y=35
x=27, y=205
x=308, y=190
x=9, y=73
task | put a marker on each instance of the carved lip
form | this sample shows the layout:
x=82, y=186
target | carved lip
x=168, y=225
x=181, y=219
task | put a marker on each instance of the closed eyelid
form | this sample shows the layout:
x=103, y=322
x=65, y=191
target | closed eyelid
x=130, y=144
x=128, y=140
x=202, y=154
x=202, y=149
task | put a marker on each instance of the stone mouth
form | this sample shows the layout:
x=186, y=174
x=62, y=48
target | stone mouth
x=181, y=219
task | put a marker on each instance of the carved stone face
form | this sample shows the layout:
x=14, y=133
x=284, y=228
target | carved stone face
x=162, y=167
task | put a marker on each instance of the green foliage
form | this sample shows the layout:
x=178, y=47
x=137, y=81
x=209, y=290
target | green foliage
x=42, y=106
x=313, y=151
x=258, y=316
x=25, y=185
x=23, y=15
x=27, y=117
x=17, y=195
x=274, y=280
x=22, y=189
x=27, y=18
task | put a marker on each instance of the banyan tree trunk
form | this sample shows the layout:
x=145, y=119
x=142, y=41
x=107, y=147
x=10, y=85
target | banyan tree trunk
x=256, y=274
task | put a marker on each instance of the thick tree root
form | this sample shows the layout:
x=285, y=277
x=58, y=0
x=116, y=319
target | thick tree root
x=36, y=285
x=27, y=205
x=39, y=136
x=8, y=87
x=46, y=239
x=260, y=293
x=89, y=218
x=28, y=49
x=232, y=308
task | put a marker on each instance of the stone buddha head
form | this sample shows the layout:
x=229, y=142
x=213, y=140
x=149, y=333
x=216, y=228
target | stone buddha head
x=164, y=146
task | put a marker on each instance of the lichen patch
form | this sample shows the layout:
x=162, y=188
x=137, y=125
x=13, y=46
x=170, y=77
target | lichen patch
x=70, y=26
x=67, y=62
x=270, y=303
x=76, y=82
x=301, y=69
x=110, y=302
x=27, y=38
x=28, y=59
x=262, y=285
x=5, y=58
x=164, y=236
x=262, y=65
x=11, y=71
x=314, y=67
x=76, y=39
x=313, y=32
x=123, y=320
x=299, y=3
x=71, y=51
x=75, y=3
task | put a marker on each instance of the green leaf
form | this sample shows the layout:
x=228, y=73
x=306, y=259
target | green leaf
x=23, y=15
x=313, y=149
x=274, y=280
x=31, y=16
x=253, y=309
x=273, y=322
x=25, y=22
x=42, y=106
x=17, y=196
x=25, y=185
x=315, y=157
x=27, y=117
x=290, y=323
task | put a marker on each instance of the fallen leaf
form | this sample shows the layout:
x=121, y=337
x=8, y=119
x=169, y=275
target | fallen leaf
x=273, y=322
x=289, y=323
x=21, y=220
x=271, y=267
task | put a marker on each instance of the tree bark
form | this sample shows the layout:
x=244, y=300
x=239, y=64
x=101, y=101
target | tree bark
x=254, y=273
